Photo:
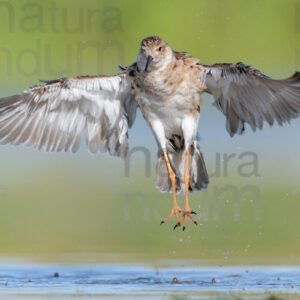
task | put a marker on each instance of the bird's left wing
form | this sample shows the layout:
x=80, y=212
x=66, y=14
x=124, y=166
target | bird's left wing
x=245, y=95
x=56, y=115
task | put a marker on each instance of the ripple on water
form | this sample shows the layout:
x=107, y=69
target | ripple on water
x=126, y=280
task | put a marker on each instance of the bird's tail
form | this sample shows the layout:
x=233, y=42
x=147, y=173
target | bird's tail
x=198, y=173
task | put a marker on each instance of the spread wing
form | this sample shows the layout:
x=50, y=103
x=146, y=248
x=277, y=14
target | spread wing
x=245, y=95
x=56, y=115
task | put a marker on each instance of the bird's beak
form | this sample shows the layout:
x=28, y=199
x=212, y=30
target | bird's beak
x=149, y=59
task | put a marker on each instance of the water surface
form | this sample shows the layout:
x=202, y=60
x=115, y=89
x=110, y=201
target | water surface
x=33, y=281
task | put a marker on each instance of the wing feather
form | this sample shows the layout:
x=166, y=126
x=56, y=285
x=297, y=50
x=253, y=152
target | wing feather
x=245, y=95
x=56, y=115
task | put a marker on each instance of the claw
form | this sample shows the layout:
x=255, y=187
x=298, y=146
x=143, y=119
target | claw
x=176, y=225
x=193, y=213
x=195, y=223
x=183, y=228
x=162, y=222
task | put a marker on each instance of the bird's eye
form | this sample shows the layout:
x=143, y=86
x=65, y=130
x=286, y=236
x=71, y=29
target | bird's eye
x=159, y=49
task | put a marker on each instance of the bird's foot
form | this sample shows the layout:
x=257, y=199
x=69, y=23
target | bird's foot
x=175, y=212
x=187, y=213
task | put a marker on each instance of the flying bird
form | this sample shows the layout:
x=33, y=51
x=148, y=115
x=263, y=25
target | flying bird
x=166, y=86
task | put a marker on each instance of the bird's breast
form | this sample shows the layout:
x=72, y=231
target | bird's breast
x=171, y=93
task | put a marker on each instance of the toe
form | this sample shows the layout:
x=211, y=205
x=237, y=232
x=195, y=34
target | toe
x=176, y=225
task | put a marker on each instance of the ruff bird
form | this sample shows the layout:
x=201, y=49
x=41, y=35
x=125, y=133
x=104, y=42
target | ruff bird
x=166, y=86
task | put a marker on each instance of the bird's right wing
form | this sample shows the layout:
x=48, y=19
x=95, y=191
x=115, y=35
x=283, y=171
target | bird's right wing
x=56, y=115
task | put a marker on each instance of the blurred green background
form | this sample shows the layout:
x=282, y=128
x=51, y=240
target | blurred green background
x=83, y=207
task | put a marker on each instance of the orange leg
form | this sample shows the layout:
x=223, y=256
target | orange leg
x=187, y=211
x=176, y=207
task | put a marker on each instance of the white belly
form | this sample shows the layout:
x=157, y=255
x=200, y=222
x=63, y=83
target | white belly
x=170, y=111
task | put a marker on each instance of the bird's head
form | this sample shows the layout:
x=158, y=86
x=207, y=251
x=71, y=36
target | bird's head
x=154, y=54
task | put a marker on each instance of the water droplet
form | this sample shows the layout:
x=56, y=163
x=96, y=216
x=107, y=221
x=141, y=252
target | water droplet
x=200, y=224
x=245, y=250
x=181, y=240
x=251, y=200
x=227, y=201
x=173, y=251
